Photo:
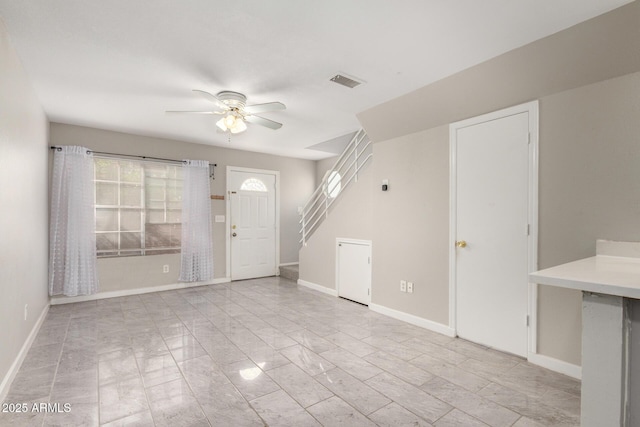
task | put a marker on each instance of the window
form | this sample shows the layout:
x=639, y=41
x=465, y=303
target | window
x=334, y=184
x=138, y=207
x=253, y=184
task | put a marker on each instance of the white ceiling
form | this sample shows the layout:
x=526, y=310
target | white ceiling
x=119, y=64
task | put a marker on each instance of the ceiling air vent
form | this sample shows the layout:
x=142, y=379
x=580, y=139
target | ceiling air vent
x=345, y=81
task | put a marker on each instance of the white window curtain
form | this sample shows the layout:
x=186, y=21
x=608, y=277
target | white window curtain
x=72, y=238
x=197, y=241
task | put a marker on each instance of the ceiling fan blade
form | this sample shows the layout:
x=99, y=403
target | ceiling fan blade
x=263, y=122
x=261, y=108
x=212, y=98
x=196, y=112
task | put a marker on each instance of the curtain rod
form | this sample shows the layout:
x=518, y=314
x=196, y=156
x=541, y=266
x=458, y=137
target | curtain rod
x=211, y=165
x=53, y=147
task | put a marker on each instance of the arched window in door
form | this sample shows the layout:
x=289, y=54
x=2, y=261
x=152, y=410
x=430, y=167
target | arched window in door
x=253, y=184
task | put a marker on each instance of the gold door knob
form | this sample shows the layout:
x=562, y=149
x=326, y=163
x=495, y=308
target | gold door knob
x=461, y=244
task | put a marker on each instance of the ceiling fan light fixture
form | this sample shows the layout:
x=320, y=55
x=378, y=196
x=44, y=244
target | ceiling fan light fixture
x=221, y=125
x=240, y=126
x=232, y=122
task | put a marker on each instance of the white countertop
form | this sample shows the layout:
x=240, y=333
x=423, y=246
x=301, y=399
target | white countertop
x=603, y=274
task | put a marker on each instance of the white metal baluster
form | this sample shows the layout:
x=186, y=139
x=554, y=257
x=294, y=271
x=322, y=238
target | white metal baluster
x=304, y=229
x=326, y=202
x=355, y=157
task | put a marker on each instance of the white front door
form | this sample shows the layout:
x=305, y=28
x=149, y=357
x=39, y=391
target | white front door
x=253, y=224
x=491, y=230
x=354, y=270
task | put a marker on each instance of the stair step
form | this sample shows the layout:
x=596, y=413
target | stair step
x=291, y=272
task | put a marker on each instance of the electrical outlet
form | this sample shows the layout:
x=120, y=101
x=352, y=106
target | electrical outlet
x=165, y=268
x=26, y=311
x=403, y=286
x=410, y=287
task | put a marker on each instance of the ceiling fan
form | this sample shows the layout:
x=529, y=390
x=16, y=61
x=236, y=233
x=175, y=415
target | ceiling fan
x=235, y=112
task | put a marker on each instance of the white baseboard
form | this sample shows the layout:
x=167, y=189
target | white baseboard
x=136, y=291
x=414, y=320
x=285, y=264
x=319, y=288
x=17, y=363
x=557, y=365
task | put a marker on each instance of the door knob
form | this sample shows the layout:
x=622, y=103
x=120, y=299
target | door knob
x=461, y=244
x=234, y=234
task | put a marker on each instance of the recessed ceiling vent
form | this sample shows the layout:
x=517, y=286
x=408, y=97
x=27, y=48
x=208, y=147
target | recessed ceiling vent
x=345, y=81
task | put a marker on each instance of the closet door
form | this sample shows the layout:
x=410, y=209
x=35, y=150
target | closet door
x=491, y=238
x=353, y=270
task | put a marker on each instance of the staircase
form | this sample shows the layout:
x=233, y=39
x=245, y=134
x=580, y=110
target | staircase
x=291, y=272
x=345, y=171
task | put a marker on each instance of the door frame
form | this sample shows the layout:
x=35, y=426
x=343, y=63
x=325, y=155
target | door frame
x=532, y=108
x=228, y=214
x=366, y=243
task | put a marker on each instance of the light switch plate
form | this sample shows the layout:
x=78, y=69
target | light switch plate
x=220, y=218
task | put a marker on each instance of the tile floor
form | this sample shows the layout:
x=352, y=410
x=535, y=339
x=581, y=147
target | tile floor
x=267, y=352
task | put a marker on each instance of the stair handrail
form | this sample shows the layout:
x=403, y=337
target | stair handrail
x=317, y=206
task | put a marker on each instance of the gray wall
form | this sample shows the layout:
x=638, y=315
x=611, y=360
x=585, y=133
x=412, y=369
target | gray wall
x=410, y=232
x=322, y=166
x=297, y=179
x=23, y=207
